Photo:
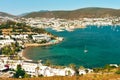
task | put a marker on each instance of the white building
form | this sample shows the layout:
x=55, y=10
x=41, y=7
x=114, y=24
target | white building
x=85, y=71
x=82, y=71
x=48, y=71
x=20, y=36
x=41, y=37
x=4, y=37
x=6, y=42
x=114, y=65
x=30, y=68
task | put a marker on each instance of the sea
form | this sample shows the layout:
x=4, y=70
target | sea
x=93, y=46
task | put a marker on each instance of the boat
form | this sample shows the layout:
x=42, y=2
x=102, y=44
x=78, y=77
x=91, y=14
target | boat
x=85, y=51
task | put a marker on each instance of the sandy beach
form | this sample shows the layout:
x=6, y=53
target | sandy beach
x=21, y=54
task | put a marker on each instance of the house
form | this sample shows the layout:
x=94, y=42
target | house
x=20, y=36
x=6, y=42
x=85, y=71
x=4, y=37
x=114, y=65
x=48, y=71
x=82, y=71
x=3, y=68
x=30, y=68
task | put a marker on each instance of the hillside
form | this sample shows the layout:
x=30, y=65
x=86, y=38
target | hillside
x=84, y=77
x=90, y=12
x=3, y=14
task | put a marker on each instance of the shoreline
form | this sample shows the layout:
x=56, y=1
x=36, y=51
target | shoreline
x=58, y=40
x=21, y=53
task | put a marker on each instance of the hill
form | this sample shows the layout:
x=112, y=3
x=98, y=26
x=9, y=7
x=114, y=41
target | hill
x=90, y=12
x=3, y=14
x=84, y=77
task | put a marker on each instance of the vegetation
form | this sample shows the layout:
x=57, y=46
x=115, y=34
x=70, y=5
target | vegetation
x=84, y=77
x=73, y=66
x=20, y=28
x=48, y=63
x=0, y=32
x=20, y=73
x=11, y=49
x=118, y=71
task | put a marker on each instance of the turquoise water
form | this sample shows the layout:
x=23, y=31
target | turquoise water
x=103, y=45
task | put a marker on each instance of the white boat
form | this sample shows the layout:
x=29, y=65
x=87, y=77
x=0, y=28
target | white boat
x=85, y=51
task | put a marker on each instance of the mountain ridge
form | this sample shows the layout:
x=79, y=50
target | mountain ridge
x=89, y=12
x=4, y=14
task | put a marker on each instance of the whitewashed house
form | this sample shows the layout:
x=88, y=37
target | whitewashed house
x=6, y=42
x=114, y=65
x=82, y=71
x=30, y=68
x=4, y=37
x=48, y=71
x=20, y=36
x=85, y=71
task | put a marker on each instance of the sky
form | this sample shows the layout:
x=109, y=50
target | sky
x=17, y=7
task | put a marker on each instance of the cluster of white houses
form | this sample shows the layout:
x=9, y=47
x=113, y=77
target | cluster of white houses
x=7, y=40
x=35, y=69
x=69, y=25
x=64, y=24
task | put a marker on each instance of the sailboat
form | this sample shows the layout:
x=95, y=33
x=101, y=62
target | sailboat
x=85, y=50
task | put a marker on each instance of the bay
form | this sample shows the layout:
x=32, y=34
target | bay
x=102, y=45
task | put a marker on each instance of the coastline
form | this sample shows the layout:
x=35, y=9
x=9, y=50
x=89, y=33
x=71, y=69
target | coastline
x=21, y=53
x=58, y=40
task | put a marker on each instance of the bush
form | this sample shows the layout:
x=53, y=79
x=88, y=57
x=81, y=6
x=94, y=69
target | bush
x=117, y=72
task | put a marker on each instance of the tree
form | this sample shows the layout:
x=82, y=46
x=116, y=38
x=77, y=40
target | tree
x=26, y=76
x=117, y=72
x=73, y=66
x=107, y=67
x=19, y=72
x=81, y=67
x=47, y=63
x=37, y=71
x=0, y=32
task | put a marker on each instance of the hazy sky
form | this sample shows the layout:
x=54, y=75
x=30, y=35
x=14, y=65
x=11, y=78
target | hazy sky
x=22, y=6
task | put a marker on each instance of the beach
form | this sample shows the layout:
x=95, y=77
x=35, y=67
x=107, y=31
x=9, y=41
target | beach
x=21, y=54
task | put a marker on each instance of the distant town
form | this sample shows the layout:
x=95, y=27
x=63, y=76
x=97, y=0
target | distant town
x=64, y=24
x=18, y=33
